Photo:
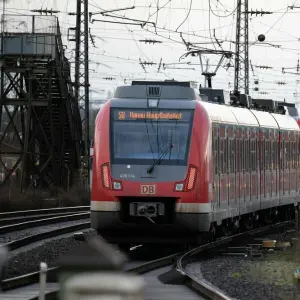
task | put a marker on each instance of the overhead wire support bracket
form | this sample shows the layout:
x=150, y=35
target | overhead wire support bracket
x=109, y=11
x=92, y=38
x=142, y=22
x=115, y=22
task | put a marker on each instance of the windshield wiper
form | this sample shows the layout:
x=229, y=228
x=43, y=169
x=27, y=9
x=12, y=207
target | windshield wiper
x=159, y=158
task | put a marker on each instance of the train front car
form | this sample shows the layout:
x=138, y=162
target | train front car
x=151, y=157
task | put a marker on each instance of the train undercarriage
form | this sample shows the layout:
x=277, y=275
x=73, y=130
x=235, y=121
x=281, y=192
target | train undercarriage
x=228, y=227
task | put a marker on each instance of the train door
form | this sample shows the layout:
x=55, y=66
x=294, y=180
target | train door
x=297, y=163
x=231, y=167
x=274, y=167
x=247, y=171
x=268, y=172
x=241, y=171
x=281, y=166
x=253, y=167
x=261, y=146
x=216, y=189
x=288, y=164
x=285, y=169
x=223, y=159
x=293, y=179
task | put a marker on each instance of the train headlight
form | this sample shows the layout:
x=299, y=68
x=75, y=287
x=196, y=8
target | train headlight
x=152, y=102
x=117, y=185
x=179, y=187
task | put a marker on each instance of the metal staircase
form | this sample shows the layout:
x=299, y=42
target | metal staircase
x=36, y=85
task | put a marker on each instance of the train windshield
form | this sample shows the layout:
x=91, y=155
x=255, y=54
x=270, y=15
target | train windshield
x=142, y=136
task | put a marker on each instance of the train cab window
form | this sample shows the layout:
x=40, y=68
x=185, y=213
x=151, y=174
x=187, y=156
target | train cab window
x=137, y=139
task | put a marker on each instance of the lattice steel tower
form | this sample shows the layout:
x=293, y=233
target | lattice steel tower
x=81, y=83
x=241, y=70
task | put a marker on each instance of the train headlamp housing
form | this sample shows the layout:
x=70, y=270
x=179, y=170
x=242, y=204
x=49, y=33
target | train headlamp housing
x=107, y=182
x=152, y=102
x=117, y=185
x=179, y=187
x=190, y=181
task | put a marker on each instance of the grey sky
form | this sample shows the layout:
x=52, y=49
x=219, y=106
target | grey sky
x=118, y=49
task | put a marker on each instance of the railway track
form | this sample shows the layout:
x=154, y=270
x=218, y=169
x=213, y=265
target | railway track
x=177, y=260
x=10, y=218
x=42, y=222
x=38, y=237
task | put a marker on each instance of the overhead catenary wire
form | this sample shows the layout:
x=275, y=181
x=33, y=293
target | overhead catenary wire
x=219, y=12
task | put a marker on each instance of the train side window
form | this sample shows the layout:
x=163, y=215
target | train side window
x=247, y=156
x=263, y=154
x=215, y=150
x=242, y=154
x=229, y=155
x=288, y=150
x=267, y=156
x=282, y=155
x=232, y=155
x=294, y=156
x=275, y=153
x=253, y=155
x=226, y=160
x=221, y=155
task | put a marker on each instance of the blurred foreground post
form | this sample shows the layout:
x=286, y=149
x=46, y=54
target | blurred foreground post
x=96, y=269
x=43, y=274
x=3, y=259
x=105, y=286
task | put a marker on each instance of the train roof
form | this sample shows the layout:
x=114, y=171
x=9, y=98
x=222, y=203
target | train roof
x=219, y=113
x=265, y=119
x=243, y=116
x=157, y=89
x=286, y=122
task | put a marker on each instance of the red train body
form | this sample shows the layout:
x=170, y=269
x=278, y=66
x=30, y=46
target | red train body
x=168, y=166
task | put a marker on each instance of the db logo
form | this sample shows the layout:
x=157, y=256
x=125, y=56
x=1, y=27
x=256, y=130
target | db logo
x=148, y=189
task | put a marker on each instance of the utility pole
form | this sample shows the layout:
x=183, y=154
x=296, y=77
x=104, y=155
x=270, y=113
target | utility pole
x=241, y=69
x=82, y=74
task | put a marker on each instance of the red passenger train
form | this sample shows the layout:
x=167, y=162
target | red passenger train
x=170, y=167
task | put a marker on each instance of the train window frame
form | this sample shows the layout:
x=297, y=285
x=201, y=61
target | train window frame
x=135, y=161
x=242, y=153
x=215, y=148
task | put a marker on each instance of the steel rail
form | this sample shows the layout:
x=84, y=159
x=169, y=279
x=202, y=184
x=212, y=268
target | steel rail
x=45, y=235
x=181, y=259
x=16, y=220
x=23, y=213
x=42, y=222
x=203, y=287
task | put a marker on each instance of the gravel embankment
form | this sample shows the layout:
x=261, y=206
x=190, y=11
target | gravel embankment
x=11, y=236
x=270, y=277
x=49, y=252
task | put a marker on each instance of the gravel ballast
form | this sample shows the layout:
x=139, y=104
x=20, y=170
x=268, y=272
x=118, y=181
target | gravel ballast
x=49, y=252
x=243, y=278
